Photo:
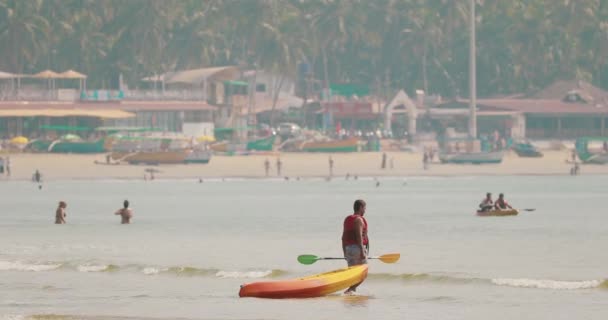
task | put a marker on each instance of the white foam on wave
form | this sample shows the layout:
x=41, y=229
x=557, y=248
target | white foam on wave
x=92, y=268
x=152, y=270
x=243, y=274
x=20, y=266
x=548, y=284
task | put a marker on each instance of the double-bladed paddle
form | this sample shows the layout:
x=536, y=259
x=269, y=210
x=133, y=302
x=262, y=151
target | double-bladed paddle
x=310, y=259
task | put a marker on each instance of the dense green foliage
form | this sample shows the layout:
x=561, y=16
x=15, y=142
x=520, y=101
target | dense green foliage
x=522, y=44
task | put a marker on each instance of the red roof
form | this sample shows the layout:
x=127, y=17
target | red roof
x=116, y=105
x=539, y=106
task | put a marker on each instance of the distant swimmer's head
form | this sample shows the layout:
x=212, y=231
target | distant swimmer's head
x=488, y=195
x=126, y=204
x=359, y=206
x=501, y=195
x=62, y=204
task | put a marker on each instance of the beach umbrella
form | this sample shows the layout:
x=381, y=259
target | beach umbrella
x=71, y=74
x=20, y=140
x=46, y=74
x=205, y=139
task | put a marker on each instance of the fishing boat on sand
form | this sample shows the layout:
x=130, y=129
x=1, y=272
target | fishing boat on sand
x=346, y=145
x=466, y=150
x=71, y=145
x=527, y=150
x=158, y=150
x=588, y=153
x=471, y=157
x=256, y=144
x=320, y=144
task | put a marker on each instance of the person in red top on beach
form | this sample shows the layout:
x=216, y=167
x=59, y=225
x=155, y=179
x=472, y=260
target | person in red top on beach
x=355, y=243
x=501, y=204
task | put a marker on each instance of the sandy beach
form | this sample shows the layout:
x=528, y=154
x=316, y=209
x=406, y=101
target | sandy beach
x=78, y=166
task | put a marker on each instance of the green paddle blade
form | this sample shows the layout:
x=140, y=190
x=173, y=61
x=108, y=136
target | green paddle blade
x=307, y=259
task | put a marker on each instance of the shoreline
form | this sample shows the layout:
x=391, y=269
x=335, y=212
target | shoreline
x=303, y=165
x=292, y=178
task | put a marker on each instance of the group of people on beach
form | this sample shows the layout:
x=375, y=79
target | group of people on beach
x=279, y=165
x=125, y=213
x=487, y=204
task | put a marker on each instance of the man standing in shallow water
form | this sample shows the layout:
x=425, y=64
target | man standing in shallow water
x=125, y=213
x=60, y=213
x=355, y=243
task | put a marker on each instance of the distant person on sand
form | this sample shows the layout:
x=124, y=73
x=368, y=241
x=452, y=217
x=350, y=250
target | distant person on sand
x=487, y=203
x=267, y=166
x=60, y=213
x=331, y=166
x=605, y=146
x=425, y=160
x=8, y=166
x=125, y=213
x=279, y=165
x=501, y=204
x=383, y=163
x=355, y=243
x=575, y=169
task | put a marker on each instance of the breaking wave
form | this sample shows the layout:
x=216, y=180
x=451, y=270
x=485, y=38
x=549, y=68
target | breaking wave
x=551, y=284
x=520, y=283
x=181, y=271
x=188, y=271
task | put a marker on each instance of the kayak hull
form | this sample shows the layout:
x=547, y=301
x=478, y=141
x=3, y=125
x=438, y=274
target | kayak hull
x=498, y=213
x=308, y=287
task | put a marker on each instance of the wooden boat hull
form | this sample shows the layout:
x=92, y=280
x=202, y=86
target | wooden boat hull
x=163, y=157
x=348, y=145
x=198, y=156
x=526, y=150
x=98, y=146
x=589, y=155
x=264, y=144
x=474, y=158
x=151, y=157
x=497, y=213
x=596, y=158
x=307, y=287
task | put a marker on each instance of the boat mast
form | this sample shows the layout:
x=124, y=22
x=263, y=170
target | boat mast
x=472, y=75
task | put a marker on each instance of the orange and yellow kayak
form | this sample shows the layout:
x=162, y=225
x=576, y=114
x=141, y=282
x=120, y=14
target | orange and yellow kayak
x=497, y=213
x=307, y=287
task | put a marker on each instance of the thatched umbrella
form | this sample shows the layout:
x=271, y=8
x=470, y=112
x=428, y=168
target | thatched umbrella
x=50, y=75
x=71, y=74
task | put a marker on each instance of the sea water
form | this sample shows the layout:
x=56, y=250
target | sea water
x=191, y=245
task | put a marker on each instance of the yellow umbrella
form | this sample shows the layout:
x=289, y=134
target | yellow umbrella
x=205, y=139
x=19, y=140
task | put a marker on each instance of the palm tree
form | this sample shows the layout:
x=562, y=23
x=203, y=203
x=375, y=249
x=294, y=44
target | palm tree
x=23, y=33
